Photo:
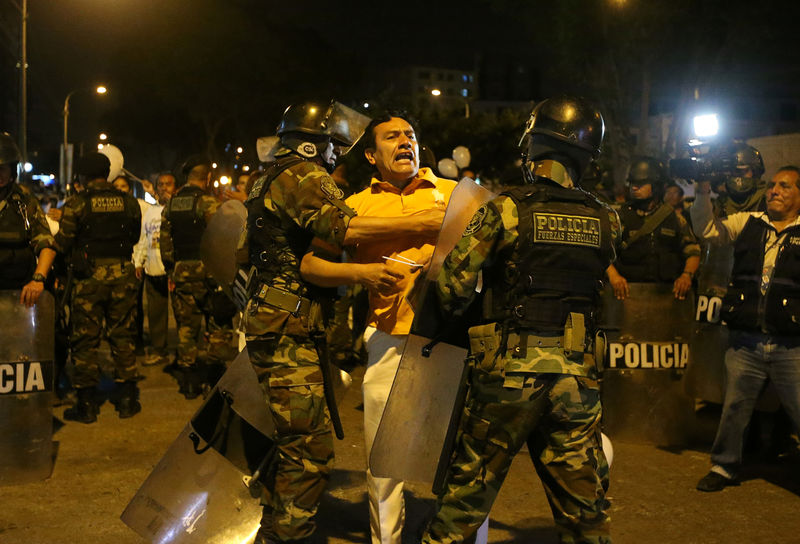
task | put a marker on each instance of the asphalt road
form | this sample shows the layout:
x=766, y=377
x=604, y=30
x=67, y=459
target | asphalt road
x=99, y=467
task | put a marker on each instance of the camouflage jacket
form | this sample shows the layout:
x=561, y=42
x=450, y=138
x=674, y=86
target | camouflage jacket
x=302, y=196
x=489, y=238
x=18, y=201
x=76, y=212
x=183, y=270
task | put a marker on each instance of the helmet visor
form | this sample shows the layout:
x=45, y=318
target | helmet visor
x=345, y=126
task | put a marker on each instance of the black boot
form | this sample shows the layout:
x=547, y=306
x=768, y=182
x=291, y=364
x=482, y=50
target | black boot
x=190, y=384
x=85, y=409
x=127, y=403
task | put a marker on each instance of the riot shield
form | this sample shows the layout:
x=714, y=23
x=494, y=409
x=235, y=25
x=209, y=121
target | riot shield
x=419, y=416
x=201, y=491
x=26, y=385
x=705, y=375
x=220, y=240
x=646, y=356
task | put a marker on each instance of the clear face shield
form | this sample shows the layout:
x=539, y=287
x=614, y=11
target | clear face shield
x=345, y=126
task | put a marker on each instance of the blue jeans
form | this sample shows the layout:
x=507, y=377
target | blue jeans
x=751, y=360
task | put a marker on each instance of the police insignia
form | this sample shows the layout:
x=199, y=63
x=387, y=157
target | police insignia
x=107, y=204
x=182, y=203
x=330, y=189
x=476, y=221
x=554, y=228
x=255, y=191
x=307, y=150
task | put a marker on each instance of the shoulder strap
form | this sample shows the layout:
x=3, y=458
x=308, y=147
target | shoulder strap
x=273, y=171
x=650, y=224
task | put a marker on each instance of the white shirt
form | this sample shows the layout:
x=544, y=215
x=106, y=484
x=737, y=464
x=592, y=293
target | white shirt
x=724, y=231
x=147, y=251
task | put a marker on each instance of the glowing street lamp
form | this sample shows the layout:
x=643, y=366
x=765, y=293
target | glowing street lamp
x=436, y=92
x=103, y=136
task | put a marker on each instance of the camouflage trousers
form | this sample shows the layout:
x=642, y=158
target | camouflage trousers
x=558, y=416
x=289, y=372
x=191, y=302
x=109, y=296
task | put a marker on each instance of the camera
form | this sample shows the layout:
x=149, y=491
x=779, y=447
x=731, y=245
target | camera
x=718, y=161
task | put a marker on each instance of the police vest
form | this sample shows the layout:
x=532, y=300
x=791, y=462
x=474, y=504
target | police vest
x=556, y=266
x=17, y=259
x=656, y=257
x=110, y=228
x=276, y=245
x=188, y=222
x=778, y=310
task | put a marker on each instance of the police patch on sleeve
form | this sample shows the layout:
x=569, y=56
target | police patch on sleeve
x=476, y=221
x=330, y=189
x=555, y=228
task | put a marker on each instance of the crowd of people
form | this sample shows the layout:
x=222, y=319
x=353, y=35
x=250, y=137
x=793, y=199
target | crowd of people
x=532, y=258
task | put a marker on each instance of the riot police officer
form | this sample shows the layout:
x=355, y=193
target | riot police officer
x=542, y=249
x=744, y=191
x=657, y=244
x=293, y=201
x=24, y=234
x=183, y=222
x=98, y=230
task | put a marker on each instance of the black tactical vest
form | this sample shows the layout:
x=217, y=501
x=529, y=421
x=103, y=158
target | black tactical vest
x=557, y=264
x=744, y=307
x=276, y=244
x=17, y=259
x=110, y=228
x=188, y=222
x=655, y=257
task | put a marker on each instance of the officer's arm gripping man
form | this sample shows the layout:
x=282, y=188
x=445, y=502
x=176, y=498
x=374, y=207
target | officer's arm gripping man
x=492, y=230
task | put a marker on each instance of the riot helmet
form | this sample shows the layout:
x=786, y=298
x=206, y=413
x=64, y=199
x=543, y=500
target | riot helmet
x=749, y=168
x=650, y=170
x=9, y=153
x=565, y=129
x=308, y=129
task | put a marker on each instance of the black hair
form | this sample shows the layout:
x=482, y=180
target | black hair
x=384, y=117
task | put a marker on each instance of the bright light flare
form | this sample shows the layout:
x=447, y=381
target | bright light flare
x=246, y=168
x=436, y=92
x=213, y=165
x=100, y=146
x=101, y=89
x=239, y=149
x=28, y=167
x=224, y=180
x=706, y=125
x=103, y=137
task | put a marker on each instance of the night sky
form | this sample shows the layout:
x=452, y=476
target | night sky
x=179, y=70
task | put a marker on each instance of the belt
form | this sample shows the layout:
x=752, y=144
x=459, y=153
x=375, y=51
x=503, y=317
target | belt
x=283, y=300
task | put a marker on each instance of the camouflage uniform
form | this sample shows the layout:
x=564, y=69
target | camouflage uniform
x=105, y=284
x=23, y=235
x=519, y=393
x=301, y=202
x=194, y=287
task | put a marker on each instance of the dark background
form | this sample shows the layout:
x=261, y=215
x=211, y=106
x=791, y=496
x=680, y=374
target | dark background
x=187, y=76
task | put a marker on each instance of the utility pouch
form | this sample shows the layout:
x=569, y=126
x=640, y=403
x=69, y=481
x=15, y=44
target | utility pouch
x=574, y=334
x=484, y=343
x=600, y=343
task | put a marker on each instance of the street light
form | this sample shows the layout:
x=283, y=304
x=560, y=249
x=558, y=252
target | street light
x=65, y=169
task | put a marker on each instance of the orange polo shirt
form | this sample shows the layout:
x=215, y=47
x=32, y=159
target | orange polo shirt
x=391, y=313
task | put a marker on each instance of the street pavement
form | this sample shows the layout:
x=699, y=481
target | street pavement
x=99, y=467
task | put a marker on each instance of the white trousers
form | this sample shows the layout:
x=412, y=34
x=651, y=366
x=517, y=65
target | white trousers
x=386, y=504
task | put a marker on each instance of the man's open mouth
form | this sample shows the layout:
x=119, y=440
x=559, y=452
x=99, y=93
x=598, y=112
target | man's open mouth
x=405, y=156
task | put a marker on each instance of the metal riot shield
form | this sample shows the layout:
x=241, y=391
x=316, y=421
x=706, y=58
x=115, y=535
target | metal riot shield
x=417, y=418
x=201, y=491
x=705, y=375
x=646, y=356
x=27, y=377
x=220, y=240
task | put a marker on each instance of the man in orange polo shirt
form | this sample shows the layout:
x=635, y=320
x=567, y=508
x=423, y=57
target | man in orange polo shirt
x=400, y=188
